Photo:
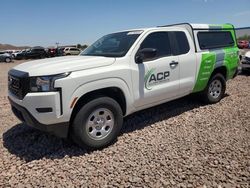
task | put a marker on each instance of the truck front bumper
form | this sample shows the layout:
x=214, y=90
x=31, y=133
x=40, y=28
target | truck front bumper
x=58, y=129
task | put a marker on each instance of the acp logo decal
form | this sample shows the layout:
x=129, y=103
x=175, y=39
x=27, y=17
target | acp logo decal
x=151, y=78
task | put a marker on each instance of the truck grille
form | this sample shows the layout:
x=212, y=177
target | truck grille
x=18, y=86
x=14, y=85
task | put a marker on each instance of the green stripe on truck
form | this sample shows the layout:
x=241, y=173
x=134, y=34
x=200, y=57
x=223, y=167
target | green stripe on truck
x=207, y=66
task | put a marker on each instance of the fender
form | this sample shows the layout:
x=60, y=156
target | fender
x=102, y=84
x=231, y=69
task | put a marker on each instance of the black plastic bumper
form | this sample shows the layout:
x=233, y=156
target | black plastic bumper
x=60, y=129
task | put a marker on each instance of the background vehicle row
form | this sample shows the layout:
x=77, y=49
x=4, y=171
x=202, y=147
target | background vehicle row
x=39, y=53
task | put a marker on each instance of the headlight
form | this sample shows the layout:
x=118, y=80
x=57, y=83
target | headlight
x=45, y=83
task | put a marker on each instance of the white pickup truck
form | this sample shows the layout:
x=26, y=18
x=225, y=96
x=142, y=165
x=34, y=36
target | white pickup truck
x=87, y=96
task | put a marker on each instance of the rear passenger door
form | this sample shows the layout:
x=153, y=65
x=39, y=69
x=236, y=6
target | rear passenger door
x=183, y=47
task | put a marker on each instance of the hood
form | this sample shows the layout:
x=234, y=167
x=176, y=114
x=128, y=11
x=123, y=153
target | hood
x=63, y=64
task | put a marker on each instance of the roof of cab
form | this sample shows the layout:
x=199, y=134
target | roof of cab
x=188, y=26
x=203, y=26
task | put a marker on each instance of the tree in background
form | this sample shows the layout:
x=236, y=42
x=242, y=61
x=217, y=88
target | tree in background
x=244, y=37
x=82, y=47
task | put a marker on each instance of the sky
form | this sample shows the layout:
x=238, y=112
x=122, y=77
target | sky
x=45, y=22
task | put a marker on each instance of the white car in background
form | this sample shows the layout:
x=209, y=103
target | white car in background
x=245, y=62
x=71, y=51
x=14, y=53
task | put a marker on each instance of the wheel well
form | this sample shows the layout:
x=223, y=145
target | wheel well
x=112, y=92
x=222, y=70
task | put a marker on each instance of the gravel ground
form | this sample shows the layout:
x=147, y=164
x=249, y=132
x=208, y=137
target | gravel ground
x=178, y=144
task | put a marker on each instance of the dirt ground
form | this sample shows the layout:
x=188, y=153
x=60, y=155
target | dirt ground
x=183, y=143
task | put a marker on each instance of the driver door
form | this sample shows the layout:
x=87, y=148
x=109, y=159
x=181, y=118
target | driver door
x=156, y=79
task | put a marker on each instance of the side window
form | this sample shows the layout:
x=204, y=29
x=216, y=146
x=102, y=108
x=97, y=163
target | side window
x=181, y=43
x=215, y=39
x=160, y=42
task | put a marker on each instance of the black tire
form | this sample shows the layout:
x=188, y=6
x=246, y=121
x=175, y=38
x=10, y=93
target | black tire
x=7, y=60
x=211, y=97
x=80, y=131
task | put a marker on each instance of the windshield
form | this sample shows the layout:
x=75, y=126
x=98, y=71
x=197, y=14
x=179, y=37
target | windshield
x=113, y=45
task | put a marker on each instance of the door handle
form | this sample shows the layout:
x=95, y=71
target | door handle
x=173, y=64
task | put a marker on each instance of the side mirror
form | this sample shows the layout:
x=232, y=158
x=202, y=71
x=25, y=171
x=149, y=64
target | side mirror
x=145, y=53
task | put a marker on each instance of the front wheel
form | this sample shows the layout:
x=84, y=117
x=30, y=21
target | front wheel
x=7, y=60
x=98, y=123
x=215, y=89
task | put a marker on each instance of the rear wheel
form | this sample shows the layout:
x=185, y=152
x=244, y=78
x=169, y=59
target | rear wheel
x=215, y=89
x=98, y=123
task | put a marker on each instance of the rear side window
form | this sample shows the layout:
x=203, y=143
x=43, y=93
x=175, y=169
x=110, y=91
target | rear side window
x=159, y=41
x=215, y=39
x=179, y=42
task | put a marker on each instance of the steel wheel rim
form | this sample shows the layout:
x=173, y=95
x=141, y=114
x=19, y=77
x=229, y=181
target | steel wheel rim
x=100, y=123
x=215, y=89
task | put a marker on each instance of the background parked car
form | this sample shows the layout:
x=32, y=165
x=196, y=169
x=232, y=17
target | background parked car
x=21, y=55
x=5, y=57
x=245, y=62
x=59, y=51
x=71, y=51
x=51, y=52
x=35, y=53
x=243, y=44
x=9, y=51
x=14, y=53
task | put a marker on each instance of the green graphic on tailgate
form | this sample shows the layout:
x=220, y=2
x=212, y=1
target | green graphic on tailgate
x=231, y=54
x=206, y=68
x=231, y=61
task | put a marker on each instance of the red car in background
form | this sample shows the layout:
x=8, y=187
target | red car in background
x=51, y=52
x=243, y=44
